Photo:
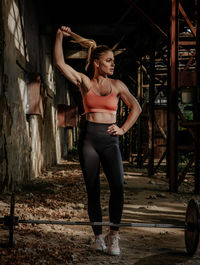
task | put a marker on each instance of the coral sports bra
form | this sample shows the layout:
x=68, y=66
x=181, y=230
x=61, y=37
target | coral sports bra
x=96, y=103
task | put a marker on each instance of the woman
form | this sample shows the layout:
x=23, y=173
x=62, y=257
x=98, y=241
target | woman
x=98, y=140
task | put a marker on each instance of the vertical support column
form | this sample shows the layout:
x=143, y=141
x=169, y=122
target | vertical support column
x=139, y=135
x=172, y=152
x=151, y=110
x=197, y=103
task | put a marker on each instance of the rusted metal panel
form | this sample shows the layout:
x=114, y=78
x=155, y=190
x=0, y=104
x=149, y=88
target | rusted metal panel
x=34, y=99
x=67, y=116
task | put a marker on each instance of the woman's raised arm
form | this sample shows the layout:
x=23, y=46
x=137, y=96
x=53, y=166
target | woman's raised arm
x=70, y=73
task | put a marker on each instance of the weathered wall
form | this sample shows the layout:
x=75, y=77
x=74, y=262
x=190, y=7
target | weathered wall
x=28, y=143
x=14, y=138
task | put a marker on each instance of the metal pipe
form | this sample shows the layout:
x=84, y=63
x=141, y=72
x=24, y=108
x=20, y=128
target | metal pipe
x=55, y=222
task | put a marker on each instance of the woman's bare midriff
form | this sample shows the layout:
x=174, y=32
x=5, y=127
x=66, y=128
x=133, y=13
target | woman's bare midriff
x=99, y=117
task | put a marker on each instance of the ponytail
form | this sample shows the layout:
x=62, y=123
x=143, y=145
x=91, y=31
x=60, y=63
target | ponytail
x=94, y=51
x=86, y=43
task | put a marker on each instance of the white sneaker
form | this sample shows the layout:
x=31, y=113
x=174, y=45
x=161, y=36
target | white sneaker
x=113, y=244
x=99, y=244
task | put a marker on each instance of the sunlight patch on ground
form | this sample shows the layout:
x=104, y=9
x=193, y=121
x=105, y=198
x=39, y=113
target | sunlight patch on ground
x=162, y=209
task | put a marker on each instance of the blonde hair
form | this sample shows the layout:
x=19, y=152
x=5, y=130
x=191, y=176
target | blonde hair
x=86, y=43
x=94, y=51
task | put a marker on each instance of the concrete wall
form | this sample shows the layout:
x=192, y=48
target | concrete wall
x=28, y=143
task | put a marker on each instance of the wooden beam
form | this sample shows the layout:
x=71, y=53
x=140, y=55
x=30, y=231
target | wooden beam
x=188, y=43
x=147, y=18
x=82, y=54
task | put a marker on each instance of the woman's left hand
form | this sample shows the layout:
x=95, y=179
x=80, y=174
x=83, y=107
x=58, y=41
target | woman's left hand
x=115, y=130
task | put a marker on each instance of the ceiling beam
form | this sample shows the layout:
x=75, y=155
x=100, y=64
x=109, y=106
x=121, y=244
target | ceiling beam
x=147, y=18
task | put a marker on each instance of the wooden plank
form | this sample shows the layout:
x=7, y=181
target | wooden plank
x=82, y=54
x=187, y=79
x=189, y=43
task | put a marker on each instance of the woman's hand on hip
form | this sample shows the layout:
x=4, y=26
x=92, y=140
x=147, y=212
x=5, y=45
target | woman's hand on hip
x=115, y=130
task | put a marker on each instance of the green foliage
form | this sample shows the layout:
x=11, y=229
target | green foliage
x=186, y=109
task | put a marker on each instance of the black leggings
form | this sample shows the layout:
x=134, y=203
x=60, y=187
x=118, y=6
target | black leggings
x=97, y=145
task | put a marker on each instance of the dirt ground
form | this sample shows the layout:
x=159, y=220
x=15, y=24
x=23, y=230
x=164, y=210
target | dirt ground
x=59, y=193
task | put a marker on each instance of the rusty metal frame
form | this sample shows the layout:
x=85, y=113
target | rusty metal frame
x=197, y=103
x=173, y=83
x=173, y=111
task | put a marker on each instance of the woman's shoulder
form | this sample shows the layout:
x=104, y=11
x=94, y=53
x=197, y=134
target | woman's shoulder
x=85, y=84
x=117, y=84
x=85, y=78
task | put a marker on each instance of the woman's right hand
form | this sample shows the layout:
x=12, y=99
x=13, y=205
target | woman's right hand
x=66, y=31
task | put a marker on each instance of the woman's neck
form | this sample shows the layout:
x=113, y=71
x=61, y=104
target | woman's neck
x=98, y=75
x=99, y=78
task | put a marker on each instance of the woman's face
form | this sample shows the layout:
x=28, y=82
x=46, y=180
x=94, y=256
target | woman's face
x=106, y=63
